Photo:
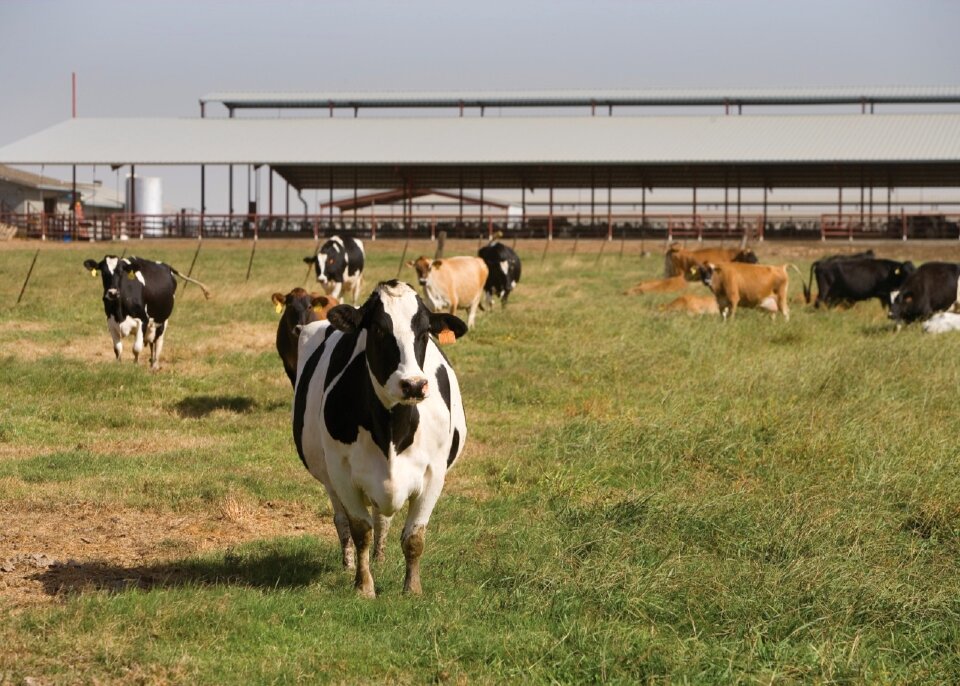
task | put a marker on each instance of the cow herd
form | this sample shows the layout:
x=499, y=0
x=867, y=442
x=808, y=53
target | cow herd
x=377, y=414
x=736, y=279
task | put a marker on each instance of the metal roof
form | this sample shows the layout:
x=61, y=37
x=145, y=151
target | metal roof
x=584, y=98
x=505, y=152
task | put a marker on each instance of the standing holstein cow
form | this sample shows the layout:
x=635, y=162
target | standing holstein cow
x=503, y=271
x=748, y=285
x=932, y=288
x=339, y=264
x=456, y=282
x=138, y=297
x=297, y=309
x=378, y=417
x=850, y=279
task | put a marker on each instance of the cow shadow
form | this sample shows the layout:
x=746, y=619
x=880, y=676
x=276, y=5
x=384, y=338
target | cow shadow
x=884, y=329
x=262, y=569
x=202, y=405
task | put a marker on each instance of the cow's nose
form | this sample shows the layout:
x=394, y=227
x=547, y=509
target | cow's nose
x=423, y=282
x=111, y=294
x=413, y=389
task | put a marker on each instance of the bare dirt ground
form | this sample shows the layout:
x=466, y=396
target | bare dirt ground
x=48, y=553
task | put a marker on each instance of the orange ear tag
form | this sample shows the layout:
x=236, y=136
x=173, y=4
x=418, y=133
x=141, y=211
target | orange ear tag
x=446, y=337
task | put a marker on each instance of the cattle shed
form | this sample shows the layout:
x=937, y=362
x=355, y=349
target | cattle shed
x=608, y=142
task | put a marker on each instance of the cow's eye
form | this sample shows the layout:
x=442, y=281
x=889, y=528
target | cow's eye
x=330, y=261
x=908, y=299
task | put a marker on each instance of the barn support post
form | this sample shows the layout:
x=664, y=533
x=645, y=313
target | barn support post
x=373, y=221
x=903, y=223
x=230, y=184
x=203, y=195
x=354, y=199
x=482, y=183
x=726, y=204
x=270, y=192
x=287, y=208
x=739, y=204
x=523, y=205
x=763, y=223
x=133, y=197
x=460, y=196
x=696, y=224
x=593, y=184
x=550, y=215
x=610, y=220
x=73, y=201
x=330, y=203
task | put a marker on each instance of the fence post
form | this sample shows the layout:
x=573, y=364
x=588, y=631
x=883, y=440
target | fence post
x=823, y=227
x=903, y=222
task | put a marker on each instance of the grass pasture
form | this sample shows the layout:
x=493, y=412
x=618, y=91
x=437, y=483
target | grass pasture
x=644, y=497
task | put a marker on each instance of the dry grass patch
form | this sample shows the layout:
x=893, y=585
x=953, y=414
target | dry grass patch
x=49, y=550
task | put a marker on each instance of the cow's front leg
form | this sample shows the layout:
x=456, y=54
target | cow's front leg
x=415, y=532
x=334, y=290
x=381, y=528
x=342, y=522
x=362, y=533
x=357, y=287
x=114, y=328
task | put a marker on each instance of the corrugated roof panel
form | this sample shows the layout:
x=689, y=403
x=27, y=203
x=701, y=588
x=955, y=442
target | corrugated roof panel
x=500, y=140
x=535, y=98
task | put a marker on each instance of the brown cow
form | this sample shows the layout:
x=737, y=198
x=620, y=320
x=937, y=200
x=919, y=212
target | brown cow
x=455, y=282
x=674, y=283
x=692, y=304
x=751, y=285
x=678, y=260
x=299, y=308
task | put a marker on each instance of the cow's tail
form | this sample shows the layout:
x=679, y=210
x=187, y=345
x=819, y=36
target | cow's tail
x=206, y=291
x=800, y=274
x=808, y=285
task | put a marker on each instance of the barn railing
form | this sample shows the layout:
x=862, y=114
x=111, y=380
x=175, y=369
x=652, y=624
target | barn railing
x=62, y=226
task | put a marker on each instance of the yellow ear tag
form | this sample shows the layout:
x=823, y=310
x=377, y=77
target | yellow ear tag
x=131, y=276
x=897, y=270
x=278, y=307
x=93, y=272
x=446, y=337
x=318, y=309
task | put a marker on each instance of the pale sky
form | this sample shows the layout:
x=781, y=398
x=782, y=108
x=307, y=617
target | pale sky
x=137, y=58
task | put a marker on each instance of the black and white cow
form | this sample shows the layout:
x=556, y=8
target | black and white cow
x=933, y=287
x=504, y=265
x=378, y=418
x=138, y=299
x=339, y=264
x=849, y=279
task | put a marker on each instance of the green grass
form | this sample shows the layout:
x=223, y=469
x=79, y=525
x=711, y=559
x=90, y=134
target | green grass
x=643, y=497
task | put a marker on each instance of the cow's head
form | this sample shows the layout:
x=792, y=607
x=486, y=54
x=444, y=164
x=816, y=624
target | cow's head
x=746, y=255
x=397, y=326
x=109, y=269
x=330, y=262
x=302, y=307
x=705, y=272
x=424, y=267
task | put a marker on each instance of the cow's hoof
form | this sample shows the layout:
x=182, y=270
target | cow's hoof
x=365, y=592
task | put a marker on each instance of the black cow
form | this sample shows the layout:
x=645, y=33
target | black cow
x=850, y=279
x=931, y=288
x=138, y=298
x=378, y=418
x=339, y=263
x=298, y=309
x=504, y=271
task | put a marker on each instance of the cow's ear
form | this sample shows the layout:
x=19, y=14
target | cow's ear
x=436, y=264
x=442, y=320
x=411, y=263
x=309, y=260
x=91, y=267
x=278, y=300
x=346, y=318
x=318, y=302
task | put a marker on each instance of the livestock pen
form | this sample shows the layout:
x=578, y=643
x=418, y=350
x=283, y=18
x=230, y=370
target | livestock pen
x=643, y=496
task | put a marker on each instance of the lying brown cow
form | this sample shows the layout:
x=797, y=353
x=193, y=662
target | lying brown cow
x=456, y=282
x=679, y=260
x=674, y=283
x=299, y=308
x=750, y=285
x=692, y=304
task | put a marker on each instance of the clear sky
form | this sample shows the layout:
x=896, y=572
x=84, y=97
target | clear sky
x=138, y=58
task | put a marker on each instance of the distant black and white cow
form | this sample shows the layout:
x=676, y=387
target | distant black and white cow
x=378, y=418
x=339, y=264
x=847, y=279
x=138, y=297
x=932, y=288
x=504, y=271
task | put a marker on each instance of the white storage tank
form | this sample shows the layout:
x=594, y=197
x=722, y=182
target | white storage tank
x=145, y=196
